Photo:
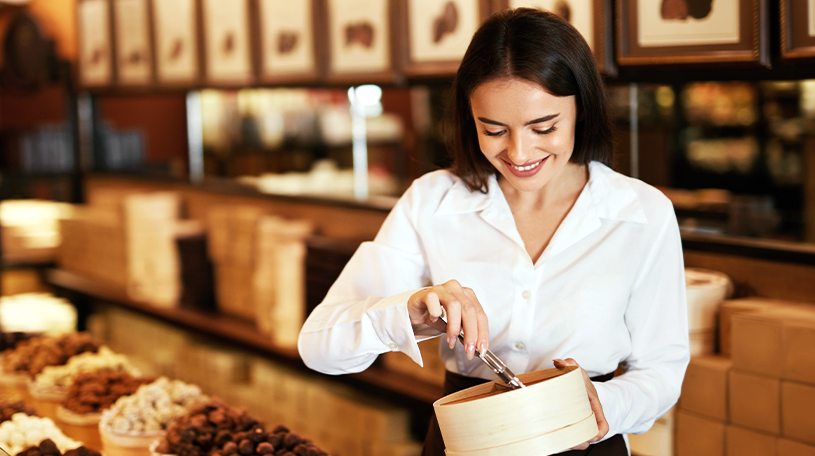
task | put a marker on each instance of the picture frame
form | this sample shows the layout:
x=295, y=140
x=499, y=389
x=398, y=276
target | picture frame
x=227, y=42
x=436, y=34
x=736, y=33
x=797, y=29
x=592, y=18
x=288, y=50
x=133, y=39
x=177, y=42
x=360, y=42
x=95, y=53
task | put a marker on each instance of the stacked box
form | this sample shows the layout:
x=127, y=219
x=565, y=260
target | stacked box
x=279, y=281
x=764, y=394
x=94, y=245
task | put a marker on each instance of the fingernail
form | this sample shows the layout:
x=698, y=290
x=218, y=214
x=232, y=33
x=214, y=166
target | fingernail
x=470, y=350
x=433, y=319
x=482, y=346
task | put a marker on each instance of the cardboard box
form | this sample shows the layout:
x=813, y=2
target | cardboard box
x=788, y=447
x=798, y=346
x=797, y=405
x=702, y=342
x=745, y=442
x=704, y=390
x=698, y=436
x=754, y=402
x=733, y=307
x=757, y=337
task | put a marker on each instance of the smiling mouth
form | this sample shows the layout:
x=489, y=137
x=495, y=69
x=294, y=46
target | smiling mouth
x=528, y=167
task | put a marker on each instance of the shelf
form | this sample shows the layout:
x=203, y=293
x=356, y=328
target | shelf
x=243, y=333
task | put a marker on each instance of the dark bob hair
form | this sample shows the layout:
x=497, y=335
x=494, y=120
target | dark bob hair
x=542, y=48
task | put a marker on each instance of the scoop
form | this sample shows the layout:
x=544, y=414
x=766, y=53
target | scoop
x=489, y=358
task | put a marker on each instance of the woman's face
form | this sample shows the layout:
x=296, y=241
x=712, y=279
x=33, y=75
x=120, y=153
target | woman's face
x=524, y=131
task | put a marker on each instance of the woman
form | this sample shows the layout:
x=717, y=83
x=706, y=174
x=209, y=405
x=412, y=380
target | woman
x=531, y=244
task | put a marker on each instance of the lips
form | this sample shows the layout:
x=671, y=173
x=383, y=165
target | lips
x=527, y=169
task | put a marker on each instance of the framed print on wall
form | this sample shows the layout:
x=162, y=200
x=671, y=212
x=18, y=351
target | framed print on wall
x=176, y=38
x=227, y=56
x=95, y=45
x=360, y=40
x=592, y=18
x=134, y=54
x=667, y=32
x=287, y=50
x=797, y=29
x=439, y=32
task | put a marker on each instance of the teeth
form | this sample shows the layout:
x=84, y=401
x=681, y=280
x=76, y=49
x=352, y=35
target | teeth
x=527, y=168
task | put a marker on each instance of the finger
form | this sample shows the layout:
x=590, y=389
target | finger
x=433, y=306
x=602, y=423
x=469, y=320
x=452, y=308
x=582, y=446
x=483, y=341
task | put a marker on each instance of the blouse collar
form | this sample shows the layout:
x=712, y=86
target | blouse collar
x=611, y=194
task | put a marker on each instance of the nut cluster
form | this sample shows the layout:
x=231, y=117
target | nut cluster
x=152, y=407
x=31, y=356
x=48, y=448
x=9, y=408
x=95, y=391
x=213, y=429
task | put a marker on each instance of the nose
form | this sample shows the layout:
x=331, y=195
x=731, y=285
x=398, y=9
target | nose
x=519, y=151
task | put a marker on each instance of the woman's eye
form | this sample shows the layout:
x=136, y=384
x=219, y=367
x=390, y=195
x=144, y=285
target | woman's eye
x=545, y=132
x=496, y=133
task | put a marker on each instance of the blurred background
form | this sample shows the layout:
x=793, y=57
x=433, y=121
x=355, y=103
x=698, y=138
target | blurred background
x=182, y=180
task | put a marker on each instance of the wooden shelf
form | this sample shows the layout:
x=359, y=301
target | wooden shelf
x=243, y=333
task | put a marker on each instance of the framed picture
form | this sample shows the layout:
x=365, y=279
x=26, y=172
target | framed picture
x=95, y=46
x=666, y=32
x=360, y=40
x=134, y=49
x=438, y=33
x=227, y=56
x=287, y=46
x=592, y=18
x=176, y=38
x=797, y=29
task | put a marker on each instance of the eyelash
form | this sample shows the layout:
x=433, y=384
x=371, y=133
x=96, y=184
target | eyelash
x=540, y=132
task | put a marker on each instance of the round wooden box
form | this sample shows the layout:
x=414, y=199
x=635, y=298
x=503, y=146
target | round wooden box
x=127, y=444
x=46, y=399
x=81, y=427
x=550, y=415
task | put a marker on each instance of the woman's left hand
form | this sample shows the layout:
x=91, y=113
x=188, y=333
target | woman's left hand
x=594, y=400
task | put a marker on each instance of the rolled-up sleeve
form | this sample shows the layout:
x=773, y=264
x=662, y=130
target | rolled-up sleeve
x=365, y=312
x=656, y=317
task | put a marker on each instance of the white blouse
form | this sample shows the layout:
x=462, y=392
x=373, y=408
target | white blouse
x=609, y=288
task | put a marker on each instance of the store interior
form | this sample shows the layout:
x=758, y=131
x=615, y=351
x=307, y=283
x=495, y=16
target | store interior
x=164, y=237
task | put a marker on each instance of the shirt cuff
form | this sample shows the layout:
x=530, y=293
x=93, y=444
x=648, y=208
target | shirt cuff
x=391, y=322
x=610, y=402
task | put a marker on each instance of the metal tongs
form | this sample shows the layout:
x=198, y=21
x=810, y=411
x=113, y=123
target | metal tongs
x=494, y=363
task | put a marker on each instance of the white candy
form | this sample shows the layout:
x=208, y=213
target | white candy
x=17, y=439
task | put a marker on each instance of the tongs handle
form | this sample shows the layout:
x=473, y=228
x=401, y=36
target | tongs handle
x=494, y=362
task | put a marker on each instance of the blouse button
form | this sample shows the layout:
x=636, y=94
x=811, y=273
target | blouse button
x=526, y=294
x=393, y=346
x=520, y=346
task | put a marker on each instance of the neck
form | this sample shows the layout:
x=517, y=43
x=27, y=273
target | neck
x=564, y=188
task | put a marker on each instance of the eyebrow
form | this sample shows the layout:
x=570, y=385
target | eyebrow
x=531, y=122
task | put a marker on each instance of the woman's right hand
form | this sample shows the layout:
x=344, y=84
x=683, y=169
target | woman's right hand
x=463, y=310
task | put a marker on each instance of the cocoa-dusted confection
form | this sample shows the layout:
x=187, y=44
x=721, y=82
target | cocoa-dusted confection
x=48, y=448
x=93, y=392
x=9, y=408
x=213, y=429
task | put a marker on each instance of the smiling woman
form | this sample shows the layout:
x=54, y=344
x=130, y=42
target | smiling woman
x=573, y=262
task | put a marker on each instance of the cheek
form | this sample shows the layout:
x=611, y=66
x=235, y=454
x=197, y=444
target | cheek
x=488, y=147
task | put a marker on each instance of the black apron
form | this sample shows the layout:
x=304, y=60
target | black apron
x=434, y=444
